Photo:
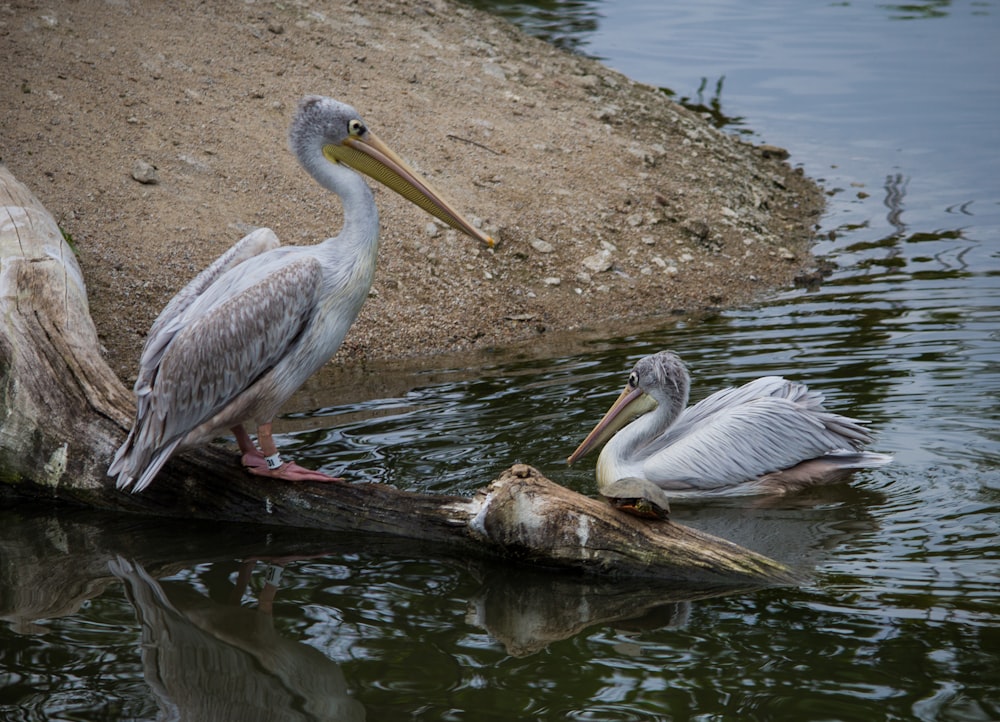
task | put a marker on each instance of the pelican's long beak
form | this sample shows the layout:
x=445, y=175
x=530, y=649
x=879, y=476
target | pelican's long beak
x=632, y=402
x=375, y=159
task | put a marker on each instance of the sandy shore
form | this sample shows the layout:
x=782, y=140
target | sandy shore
x=610, y=203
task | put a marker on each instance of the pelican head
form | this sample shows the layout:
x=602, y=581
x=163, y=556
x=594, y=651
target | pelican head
x=326, y=130
x=657, y=381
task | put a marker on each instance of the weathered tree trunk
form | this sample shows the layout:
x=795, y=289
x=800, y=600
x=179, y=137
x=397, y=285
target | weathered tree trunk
x=63, y=412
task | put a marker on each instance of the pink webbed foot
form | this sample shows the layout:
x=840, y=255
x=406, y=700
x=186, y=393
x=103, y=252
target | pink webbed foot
x=256, y=464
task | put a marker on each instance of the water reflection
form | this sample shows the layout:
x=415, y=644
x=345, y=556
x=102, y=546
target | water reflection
x=564, y=23
x=527, y=610
x=710, y=109
x=206, y=649
x=919, y=10
x=220, y=637
x=204, y=655
x=206, y=660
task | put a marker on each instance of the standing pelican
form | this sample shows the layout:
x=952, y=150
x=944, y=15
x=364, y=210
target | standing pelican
x=769, y=435
x=233, y=345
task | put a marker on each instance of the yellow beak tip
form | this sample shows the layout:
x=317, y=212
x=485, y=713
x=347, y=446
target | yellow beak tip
x=490, y=242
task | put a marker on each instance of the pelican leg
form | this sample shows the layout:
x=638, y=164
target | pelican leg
x=254, y=460
x=242, y=582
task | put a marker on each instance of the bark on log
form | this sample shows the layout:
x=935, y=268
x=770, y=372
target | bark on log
x=63, y=412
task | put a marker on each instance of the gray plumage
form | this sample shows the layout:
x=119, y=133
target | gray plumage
x=770, y=434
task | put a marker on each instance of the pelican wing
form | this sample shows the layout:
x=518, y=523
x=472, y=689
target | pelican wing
x=165, y=326
x=741, y=441
x=223, y=349
x=722, y=402
x=726, y=399
x=217, y=346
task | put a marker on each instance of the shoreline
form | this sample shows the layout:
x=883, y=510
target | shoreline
x=609, y=202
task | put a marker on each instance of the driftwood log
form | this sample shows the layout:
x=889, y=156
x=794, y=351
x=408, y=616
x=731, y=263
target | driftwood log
x=63, y=412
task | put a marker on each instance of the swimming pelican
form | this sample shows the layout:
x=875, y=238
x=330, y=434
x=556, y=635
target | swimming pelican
x=233, y=345
x=769, y=435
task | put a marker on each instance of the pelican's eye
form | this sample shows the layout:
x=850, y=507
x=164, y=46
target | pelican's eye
x=356, y=128
x=633, y=380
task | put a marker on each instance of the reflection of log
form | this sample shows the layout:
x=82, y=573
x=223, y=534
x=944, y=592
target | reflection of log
x=63, y=412
x=531, y=610
x=53, y=560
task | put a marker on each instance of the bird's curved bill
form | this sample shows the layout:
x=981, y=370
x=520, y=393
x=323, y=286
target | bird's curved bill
x=630, y=403
x=371, y=156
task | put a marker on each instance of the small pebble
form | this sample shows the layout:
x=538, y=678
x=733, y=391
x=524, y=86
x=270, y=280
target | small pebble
x=145, y=173
x=542, y=246
x=598, y=262
x=773, y=151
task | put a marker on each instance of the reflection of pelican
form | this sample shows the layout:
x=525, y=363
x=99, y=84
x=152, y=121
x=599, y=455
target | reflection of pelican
x=234, y=344
x=767, y=435
x=210, y=661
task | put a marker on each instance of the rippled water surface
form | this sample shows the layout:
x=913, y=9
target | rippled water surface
x=895, y=108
